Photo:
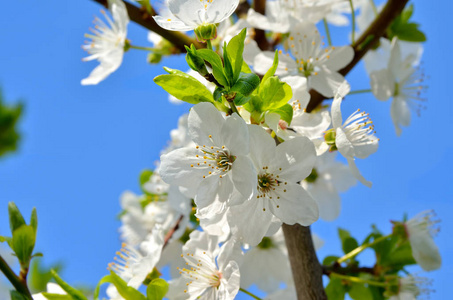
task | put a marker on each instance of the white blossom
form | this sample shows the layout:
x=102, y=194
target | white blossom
x=189, y=14
x=320, y=66
x=411, y=288
x=401, y=81
x=133, y=265
x=216, y=164
x=355, y=137
x=420, y=230
x=108, y=41
x=278, y=194
x=327, y=180
x=210, y=272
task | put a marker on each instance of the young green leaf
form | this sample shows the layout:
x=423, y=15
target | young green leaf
x=349, y=244
x=246, y=83
x=127, y=292
x=235, y=50
x=274, y=93
x=34, y=219
x=16, y=219
x=184, y=87
x=359, y=291
x=57, y=296
x=15, y=295
x=335, y=290
x=23, y=242
x=228, y=68
x=285, y=112
x=216, y=64
x=157, y=289
x=74, y=293
x=273, y=68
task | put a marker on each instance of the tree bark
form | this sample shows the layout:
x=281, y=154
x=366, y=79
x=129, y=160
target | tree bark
x=307, y=271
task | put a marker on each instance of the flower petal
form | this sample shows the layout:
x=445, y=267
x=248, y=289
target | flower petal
x=355, y=171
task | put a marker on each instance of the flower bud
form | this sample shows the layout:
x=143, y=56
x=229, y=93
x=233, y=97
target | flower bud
x=206, y=32
x=196, y=63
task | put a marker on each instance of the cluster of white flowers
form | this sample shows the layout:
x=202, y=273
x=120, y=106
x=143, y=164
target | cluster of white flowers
x=241, y=180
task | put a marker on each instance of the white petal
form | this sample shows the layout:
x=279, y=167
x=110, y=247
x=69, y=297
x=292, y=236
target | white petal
x=244, y=176
x=326, y=82
x=104, y=69
x=355, y=171
x=188, y=11
x=296, y=158
x=220, y=10
x=262, y=149
x=343, y=144
x=173, y=24
x=263, y=62
x=235, y=135
x=294, y=206
x=400, y=113
x=240, y=218
x=175, y=167
x=339, y=58
x=327, y=198
x=425, y=251
x=337, y=119
x=382, y=84
x=205, y=120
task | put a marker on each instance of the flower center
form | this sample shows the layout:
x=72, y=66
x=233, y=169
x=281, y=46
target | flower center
x=359, y=129
x=266, y=183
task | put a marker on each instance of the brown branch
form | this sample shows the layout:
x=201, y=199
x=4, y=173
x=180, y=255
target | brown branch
x=143, y=18
x=260, y=35
x=307, y=272
x=172, y=231
x=19, y=283
x=348, y=270
x=365, y=42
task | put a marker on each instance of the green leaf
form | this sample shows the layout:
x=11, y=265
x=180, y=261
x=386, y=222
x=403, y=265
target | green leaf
x=349, y=244
x=34, y=219
x=127, y=292
x=39, y=276
x=157, y=289
x=335, y=290
x=285, y=112
x=15, y=295
x=400, y=257
x=218, y=92
x=358, y=291
x=16, y=219
x=184, y=87
x=329, y=260
x=273, y=68
x=407, y=13
x=57, y=296
x=23, y=242
x=246, y=84
x=409, y=32
x=74, y=293
x=240, y=99
x=235, y=50
x=228, y=68
x=343, y=234
x=216, y=64
x=274, y=93
x=144, y=177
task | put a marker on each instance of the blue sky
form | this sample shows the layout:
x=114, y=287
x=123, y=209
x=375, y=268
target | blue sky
x=83, y=146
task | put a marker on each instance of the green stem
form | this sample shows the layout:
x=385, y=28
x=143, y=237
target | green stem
x=234, y=108
x=151, y=49
x=373, y=5
x=250, y=294
x=208, y=44
x=18, y=284
x=353, y=20
x=326, y=26
x=360, y=92
x=361, y=248
x=359, y=280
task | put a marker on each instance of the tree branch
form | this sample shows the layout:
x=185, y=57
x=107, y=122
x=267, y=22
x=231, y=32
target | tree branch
x=260, y=35
x=365, y=42
x=307, y=272
x=19, y=285
x=348, y=270
x=143, y=18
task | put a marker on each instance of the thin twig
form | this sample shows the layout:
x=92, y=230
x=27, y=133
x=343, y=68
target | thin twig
x=143, y=18
x=19, y=285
